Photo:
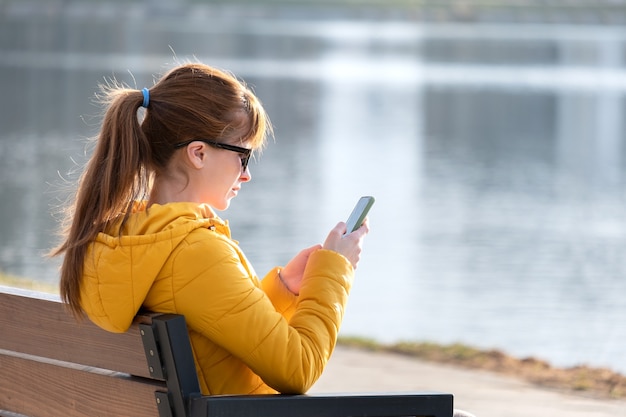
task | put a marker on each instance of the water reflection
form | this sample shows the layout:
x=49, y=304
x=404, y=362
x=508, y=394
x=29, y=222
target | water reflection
x=496, y=157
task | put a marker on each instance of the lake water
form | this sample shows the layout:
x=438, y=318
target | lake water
x=496, y=155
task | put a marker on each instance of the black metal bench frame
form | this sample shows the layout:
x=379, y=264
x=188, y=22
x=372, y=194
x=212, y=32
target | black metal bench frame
x=169, y=354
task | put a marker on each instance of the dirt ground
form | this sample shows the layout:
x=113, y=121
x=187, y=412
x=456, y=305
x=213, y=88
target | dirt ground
x=481, y=392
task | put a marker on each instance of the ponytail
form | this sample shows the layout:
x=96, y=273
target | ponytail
x=115, y=176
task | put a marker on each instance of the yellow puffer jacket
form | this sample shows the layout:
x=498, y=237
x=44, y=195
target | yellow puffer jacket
x=249, y=336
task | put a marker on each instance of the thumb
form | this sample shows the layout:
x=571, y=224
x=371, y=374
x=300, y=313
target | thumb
x=308, y=251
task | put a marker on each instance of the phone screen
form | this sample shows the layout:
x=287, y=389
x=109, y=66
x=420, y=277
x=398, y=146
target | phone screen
x=359, y=213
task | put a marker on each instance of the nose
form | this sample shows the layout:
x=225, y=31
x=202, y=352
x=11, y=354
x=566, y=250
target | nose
x=245, y=175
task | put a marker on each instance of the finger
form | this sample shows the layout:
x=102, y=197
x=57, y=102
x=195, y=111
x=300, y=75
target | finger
x=334, y=235
x=337, y=231
x=363, y=229
x=308, y=251
x=340, y=228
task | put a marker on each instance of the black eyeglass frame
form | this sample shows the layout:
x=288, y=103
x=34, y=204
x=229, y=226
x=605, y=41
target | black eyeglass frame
x=246, y=152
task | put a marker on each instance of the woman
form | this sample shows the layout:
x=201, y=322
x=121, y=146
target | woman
x=142, y=232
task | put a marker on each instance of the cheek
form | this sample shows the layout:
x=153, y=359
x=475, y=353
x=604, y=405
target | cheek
x=234, y=171
x=226, y=178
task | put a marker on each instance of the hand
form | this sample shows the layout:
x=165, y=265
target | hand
x=349, y=245
x=292, y=273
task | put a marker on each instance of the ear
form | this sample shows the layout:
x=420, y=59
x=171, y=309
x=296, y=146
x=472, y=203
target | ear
x=196, y=154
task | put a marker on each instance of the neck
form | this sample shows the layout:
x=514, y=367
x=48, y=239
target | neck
x=171, y=190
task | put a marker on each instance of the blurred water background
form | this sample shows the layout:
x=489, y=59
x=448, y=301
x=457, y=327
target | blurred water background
x=492, y=139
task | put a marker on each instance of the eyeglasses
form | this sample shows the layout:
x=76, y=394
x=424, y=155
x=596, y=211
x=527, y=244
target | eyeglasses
x=245, y=152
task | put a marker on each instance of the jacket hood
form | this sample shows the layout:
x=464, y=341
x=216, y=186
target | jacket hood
x=120, y=268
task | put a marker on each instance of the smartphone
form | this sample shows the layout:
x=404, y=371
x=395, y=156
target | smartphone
x=357, y=217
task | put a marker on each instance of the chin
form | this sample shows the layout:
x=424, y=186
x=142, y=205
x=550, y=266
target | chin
x=222, y=206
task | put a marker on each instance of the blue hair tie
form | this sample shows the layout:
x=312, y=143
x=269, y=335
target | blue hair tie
x=146, y=97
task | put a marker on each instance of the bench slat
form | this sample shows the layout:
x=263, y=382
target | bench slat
x=33, y=323
x=40, y=389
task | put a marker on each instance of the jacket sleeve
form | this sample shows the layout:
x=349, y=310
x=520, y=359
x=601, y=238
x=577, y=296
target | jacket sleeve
x=223, y=303
x=283, y=300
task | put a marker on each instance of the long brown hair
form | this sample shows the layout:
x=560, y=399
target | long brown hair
x=190, y=101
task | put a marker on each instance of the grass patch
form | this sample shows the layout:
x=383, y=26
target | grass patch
x=26, y=283
x=596, y=382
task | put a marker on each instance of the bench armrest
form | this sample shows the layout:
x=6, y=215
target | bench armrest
x=341, y=405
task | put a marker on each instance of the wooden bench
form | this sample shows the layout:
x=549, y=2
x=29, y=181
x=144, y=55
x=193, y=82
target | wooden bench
x=50, y=365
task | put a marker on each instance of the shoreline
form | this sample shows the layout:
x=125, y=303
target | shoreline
x=595, y=382
x=601, y=383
